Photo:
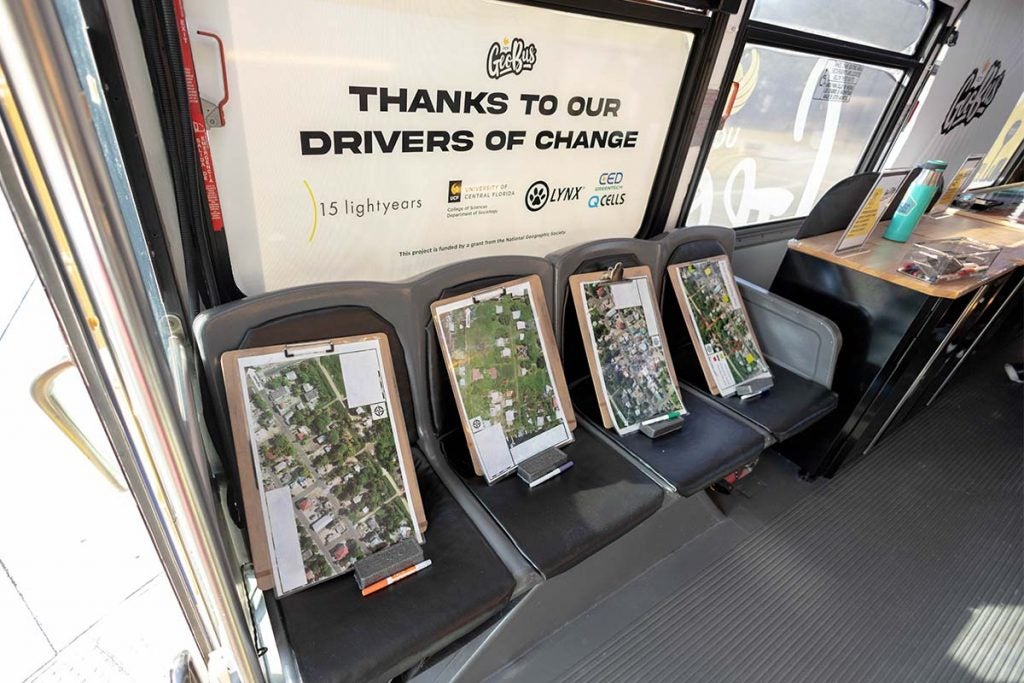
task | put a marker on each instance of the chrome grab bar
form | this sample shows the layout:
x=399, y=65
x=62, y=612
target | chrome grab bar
x=44, y=396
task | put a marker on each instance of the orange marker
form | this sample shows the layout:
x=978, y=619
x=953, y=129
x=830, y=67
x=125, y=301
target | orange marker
x=384, y=583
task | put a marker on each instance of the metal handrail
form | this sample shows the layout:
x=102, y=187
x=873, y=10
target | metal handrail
x=44, y=396
x=61, y=189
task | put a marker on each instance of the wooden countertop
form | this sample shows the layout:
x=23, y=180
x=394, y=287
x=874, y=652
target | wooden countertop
x=881, y=258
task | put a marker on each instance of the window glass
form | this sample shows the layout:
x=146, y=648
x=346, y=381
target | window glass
x=799, y=124
x=888, y=24
x=1005, y=146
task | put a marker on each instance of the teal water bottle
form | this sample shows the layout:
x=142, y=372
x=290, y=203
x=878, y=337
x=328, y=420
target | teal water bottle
x=915, y=201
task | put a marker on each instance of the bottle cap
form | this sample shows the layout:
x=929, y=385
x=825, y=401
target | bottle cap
x=936, y=164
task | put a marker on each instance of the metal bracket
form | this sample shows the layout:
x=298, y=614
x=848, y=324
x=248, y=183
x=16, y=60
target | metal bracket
x=213, y=113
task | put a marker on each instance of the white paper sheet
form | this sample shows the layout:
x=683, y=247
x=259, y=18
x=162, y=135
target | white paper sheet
x=625, y=294
x=492, y=449
x=361, y=373
x=291, y=573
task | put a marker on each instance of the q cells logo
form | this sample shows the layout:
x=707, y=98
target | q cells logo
x=510, y=57
x=975, y=95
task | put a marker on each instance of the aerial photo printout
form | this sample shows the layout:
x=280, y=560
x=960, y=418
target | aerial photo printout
x=331, y=477
x=626, y=342
x=715, y=313
x=503, y=376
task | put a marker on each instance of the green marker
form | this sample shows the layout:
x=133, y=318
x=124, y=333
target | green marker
x=668, y=416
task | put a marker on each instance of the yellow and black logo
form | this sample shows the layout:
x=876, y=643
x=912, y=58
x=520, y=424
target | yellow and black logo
x=454, y=191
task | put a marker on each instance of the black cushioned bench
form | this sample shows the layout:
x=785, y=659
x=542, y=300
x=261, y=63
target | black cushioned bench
x=565, y=520
x=335, y=634
x=800, y=346
x=712, y=442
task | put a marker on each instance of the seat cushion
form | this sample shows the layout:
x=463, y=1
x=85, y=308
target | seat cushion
x=562, y=521
x=792, y=405
x=712, y=442
x=338, y=635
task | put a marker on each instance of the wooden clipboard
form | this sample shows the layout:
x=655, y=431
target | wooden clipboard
x=684, y=305
x=255, y=520
x=547, y=337
x=589, y=343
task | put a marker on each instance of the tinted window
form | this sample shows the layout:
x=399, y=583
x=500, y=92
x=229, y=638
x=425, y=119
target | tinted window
x=799, y=124
x=888, y=24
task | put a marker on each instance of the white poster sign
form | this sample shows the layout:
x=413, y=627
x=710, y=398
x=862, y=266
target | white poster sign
x=958, y=184
x=979, y=80
x=376, y=140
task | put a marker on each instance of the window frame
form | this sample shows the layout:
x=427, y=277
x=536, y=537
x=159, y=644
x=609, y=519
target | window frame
x=914, y=68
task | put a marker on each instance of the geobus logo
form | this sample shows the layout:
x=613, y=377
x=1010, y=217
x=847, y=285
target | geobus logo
x=510, y=57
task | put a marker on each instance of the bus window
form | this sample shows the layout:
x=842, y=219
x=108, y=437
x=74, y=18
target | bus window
x=859, y=22
x=815, y=88
x=799, y=124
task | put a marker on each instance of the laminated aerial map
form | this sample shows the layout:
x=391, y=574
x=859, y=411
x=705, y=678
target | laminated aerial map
x=625, y=344
x=718, y=323
x=323, y=455
x=508, y=382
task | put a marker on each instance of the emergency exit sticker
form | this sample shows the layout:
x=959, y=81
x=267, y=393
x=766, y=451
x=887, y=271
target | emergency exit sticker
x=837, y=81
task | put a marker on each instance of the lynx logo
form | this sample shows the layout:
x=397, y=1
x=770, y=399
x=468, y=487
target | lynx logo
x=510, y=57
x=454, y=191
x=538, y=195
x=975, y=95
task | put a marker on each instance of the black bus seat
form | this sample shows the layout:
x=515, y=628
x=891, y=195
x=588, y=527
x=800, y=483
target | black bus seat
x=801, y=347
x=333, y=632
x=565, y=520
x=712, y=442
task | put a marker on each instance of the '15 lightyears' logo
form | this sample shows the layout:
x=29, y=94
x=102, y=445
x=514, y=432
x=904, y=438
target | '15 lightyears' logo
x=510, y=57
x=975, y=95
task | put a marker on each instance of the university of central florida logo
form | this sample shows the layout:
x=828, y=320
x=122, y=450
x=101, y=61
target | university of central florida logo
x=510, y=57
x=977, y=92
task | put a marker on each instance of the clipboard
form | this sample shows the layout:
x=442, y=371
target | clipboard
x=700, y=345
x=495, y=374
x=640, y=276
x=282, y=363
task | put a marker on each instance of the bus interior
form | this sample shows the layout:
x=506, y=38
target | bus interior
x=743, y=399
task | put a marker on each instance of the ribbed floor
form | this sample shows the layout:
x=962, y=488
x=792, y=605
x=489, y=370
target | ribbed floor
x=908, y=567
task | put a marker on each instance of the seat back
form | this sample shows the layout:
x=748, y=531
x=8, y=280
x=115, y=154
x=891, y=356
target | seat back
x=588, y=258
x=441, y=415
x=838, y=206
x=298, y=315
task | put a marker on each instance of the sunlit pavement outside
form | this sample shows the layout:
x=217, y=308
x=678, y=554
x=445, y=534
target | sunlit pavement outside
x=83, y=596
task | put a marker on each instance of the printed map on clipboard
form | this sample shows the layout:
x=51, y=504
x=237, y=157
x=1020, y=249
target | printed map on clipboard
x=508, y=383
x=624, y=340
x=718, y=324
x=327, y=470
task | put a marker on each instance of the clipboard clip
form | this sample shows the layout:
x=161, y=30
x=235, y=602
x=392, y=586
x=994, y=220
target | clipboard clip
x=614, y=274
x=501, y=292
x=308, y=349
